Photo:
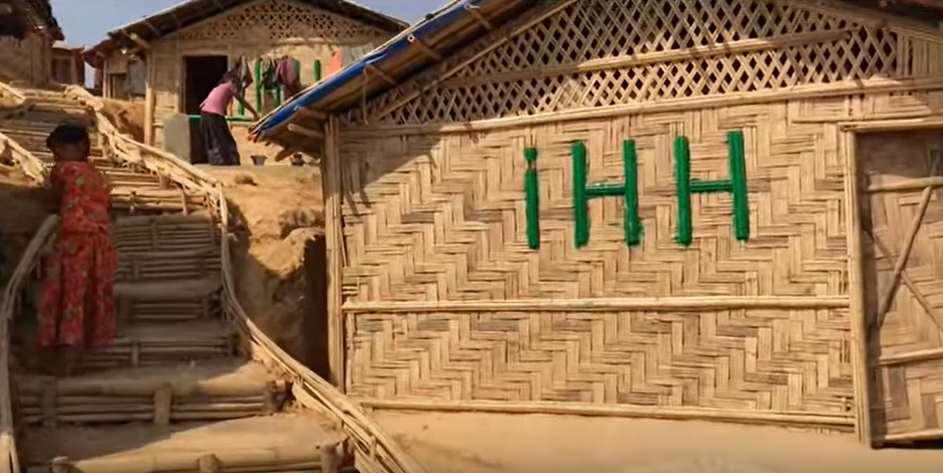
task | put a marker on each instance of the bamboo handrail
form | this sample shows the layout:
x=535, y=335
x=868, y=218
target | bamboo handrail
x=374, y=451
x=7, y=89
x=28, y=162
x=9, y=460
x=151, y=158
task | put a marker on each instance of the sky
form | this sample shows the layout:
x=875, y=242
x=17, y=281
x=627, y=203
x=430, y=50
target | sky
x=86, y=22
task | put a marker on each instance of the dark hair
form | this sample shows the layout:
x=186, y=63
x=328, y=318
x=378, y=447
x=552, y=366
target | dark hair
x=67, y=133
x=230, y=76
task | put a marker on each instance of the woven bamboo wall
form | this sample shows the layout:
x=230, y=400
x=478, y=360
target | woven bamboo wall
x=28, y=60
x=446, y=296
x=443, y=218
x=268, y=28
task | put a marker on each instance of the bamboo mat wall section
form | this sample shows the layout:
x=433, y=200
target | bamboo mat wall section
x=655, y=219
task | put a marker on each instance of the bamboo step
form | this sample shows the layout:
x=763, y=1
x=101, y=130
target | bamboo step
x=174, y=232
x=172, y=290
x=155, y=197
x=197, y=263
x=169, y=311
x=151, y=344
x=280, y=443
x=211, y=390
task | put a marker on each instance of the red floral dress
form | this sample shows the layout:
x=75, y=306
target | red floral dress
x=78, y=300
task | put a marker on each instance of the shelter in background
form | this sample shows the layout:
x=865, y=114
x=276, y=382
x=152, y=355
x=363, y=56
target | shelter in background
x=68, y=65
x=120, y=74
x=189, y=47
x=26, y=38
x=683, y=209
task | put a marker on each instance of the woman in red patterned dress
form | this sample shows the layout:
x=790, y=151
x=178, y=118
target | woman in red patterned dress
x=76, y=309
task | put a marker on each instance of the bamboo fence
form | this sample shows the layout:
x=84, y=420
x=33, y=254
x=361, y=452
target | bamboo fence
x=374, y=451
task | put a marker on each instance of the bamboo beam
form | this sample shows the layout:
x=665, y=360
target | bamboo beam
x=588, y=305
x=304, y=131
x=383, y=75
x=312, y=113
x=908, y=185
x=659, y=412
x=475, y=12
x=418, y=44
x=799, y=92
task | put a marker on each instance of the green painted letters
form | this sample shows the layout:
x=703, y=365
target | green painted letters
x=736, y=186
x=628, y=190
x=532, y=196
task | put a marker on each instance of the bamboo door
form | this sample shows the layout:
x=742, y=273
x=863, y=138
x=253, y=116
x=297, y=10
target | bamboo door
x=902, y=249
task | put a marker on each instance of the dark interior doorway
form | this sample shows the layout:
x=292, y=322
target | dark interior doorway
x=202, y=73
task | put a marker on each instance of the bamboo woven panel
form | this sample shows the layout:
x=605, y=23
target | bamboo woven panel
x=755, y=360
x=908, y=348
x=597, y=53
x=273, y=20
x=23, y=60
x=445, y=217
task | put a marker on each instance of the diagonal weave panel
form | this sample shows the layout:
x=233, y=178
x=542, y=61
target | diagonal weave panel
x=757, y=360
x=443, y=218
x=909, y=391
x=507, y=80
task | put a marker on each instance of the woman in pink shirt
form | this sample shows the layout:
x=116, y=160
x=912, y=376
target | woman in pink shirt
x=218, y=142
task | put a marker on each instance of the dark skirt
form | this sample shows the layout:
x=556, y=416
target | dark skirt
x=218, y=142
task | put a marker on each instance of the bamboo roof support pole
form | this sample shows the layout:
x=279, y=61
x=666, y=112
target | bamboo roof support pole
x=330, y=169
x=857, y=314
x=149, y=102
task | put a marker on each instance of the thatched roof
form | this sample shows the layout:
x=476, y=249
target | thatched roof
x=187, y=13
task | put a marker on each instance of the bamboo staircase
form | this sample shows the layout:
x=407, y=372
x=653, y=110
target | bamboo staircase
x=190, y=384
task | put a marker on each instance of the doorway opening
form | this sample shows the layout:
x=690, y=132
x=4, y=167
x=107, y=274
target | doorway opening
x=202, y=74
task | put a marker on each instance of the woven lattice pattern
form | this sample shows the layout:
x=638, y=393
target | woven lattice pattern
x=909, y=391
x=508, y=80
x=273, y=20
x=444, y=217
x=759, y=360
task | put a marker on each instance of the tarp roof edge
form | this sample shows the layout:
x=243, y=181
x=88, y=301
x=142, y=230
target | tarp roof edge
x=433, y=23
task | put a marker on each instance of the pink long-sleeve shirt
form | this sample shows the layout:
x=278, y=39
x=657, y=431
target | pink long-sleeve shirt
x=219, y=99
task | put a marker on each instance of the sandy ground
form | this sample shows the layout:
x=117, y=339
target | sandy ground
x=281, y=215
x=493, y=443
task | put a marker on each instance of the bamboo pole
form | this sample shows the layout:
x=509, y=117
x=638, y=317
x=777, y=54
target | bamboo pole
x=332, y=189
x=587, y=305
x=860, y=359
x=837, y=422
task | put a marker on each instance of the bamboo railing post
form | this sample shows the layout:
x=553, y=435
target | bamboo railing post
x=329, y=458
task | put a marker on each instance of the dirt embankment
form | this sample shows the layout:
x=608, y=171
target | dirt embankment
x=23, y=211
x=278, y=255
x=128, y=117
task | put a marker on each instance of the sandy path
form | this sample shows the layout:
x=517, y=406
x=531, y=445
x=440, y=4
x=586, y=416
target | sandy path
x=493, y=443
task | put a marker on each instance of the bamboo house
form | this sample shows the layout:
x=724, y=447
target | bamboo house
x=187, y=49
x=28, y=31
x=689, y=209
